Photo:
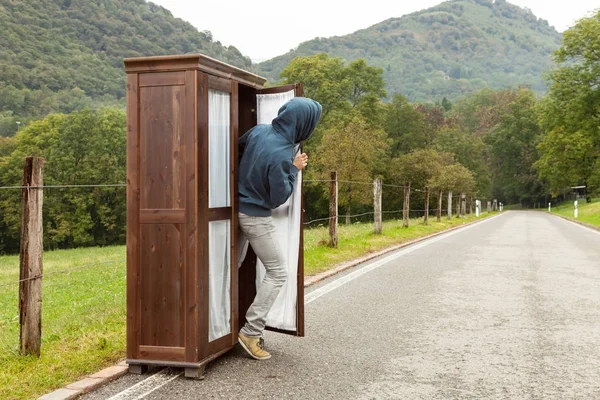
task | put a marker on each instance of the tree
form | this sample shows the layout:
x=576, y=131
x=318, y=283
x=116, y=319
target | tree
x=405, y=126
x=340, y=88
x=512, y=147
x=420, y=166
x=446, y=104
x=324, y=78
x=468, y=150
x=7, y=146
x=367, y=88
x=561, y=161
x=86, y=147
x=479, y=112
x=569, y=155
x=454, y=177
x=354, y=152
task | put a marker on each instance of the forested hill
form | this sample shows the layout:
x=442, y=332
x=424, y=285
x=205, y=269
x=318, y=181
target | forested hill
x=446, y=51
x=57, y=55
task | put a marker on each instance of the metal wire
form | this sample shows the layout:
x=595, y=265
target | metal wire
x=366, y=183
x=62, y=186
x=337, y=216
x=396, y=186
x=317, y=180
x=124, y=185
x=360, y=215
x=357, y=182
x=65, y=271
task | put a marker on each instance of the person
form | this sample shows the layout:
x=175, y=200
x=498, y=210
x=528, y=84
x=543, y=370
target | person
x=267, y=172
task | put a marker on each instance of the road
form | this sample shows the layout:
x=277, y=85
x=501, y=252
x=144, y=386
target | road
x=505, y=309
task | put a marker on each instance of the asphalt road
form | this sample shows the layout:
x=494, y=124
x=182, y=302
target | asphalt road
x=505, y=309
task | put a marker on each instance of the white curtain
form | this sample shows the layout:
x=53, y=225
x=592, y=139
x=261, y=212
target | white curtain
x=219, y=279
x=287, y=222
x=218, y=148
x=267, y=105
x=219, y=236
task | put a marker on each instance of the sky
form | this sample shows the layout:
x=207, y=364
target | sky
x=263, y=29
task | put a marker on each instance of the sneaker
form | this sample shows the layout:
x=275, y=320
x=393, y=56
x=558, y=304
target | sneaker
x=254, y=347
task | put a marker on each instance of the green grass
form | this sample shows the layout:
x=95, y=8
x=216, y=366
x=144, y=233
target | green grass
x=588, y=212
x=358, y=239
x=83, y=320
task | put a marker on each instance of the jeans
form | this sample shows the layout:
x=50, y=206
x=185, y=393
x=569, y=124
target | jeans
x=261, y=234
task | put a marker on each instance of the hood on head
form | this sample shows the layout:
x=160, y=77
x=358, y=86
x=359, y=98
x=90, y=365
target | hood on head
x=297, y=119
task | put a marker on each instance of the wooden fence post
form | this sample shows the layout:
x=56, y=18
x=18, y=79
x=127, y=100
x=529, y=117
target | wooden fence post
x=377, y=185
x=406, y=209
x=426, y=217
x=439, y=209
x=449, y=205
x=30, y=286
x=333, y=210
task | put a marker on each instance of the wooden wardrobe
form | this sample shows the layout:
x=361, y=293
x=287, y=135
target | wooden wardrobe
x=186, y=296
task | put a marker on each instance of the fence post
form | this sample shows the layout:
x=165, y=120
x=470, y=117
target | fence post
x=333, y=210
x=30, y=286
x=449, y=205
x=377, y=204
x=489, y=206
x=463, y=205
x=426, y=217
x=439, y=209
x=406, y=205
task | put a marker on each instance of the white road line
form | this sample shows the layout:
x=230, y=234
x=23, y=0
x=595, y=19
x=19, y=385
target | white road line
x=163, y=377
x=581, y=226
x=323, y=290
x=147, y=386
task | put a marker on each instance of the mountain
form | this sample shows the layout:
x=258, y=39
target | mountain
x=59, y=55
x=446, y=51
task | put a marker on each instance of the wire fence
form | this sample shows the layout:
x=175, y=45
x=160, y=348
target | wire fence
x=64, y=186
x=420, y=213
x=434, y=210
x=412, y=213
x=394, y=197
x=63, y=271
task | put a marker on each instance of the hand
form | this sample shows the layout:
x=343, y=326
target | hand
x=300, y=161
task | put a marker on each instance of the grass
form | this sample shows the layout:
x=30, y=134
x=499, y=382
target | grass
x=358, y=239
x=588, y=212
x=83, y=325
x=83, y=320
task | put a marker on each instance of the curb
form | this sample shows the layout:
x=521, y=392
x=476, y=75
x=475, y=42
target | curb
x=353, y=263
x=87, y=384
x=594, y=227
x=94, y=381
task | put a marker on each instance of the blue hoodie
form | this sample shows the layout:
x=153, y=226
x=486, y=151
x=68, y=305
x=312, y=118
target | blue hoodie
x=267, y=174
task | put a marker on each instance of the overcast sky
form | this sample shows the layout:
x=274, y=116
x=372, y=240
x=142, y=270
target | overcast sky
x=263, y=29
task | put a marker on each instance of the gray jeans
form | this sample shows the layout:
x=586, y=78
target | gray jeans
x=261, y=234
